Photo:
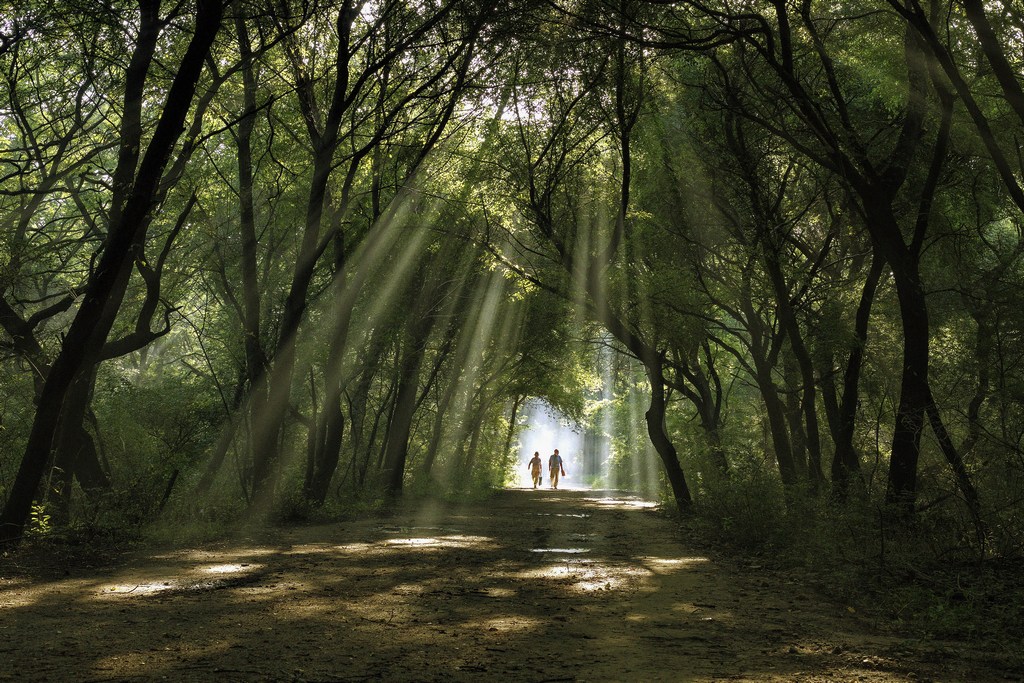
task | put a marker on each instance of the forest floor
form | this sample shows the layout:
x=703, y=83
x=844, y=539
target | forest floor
x=527, y=586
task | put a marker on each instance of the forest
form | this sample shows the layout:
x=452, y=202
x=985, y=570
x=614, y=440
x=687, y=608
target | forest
x=274, y=260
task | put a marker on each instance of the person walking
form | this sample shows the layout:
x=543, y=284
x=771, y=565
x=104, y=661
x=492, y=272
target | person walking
x=555, y=467
x=535, y=468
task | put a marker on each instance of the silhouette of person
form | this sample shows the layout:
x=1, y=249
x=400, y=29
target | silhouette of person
x=535, y=468
x=554, y=467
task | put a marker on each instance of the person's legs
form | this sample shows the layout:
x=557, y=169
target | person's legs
x=554, y=477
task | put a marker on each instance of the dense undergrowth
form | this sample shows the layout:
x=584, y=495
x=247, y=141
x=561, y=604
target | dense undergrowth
x=935, y=577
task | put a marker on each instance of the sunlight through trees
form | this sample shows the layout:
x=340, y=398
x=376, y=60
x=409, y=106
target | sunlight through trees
x=287, y=259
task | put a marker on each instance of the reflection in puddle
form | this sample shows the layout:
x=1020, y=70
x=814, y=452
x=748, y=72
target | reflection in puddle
x=632, y=503
x=583, y=515
x=588, y=576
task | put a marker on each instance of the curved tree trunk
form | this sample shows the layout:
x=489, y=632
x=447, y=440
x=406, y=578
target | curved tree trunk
x=845, y=461
x=655, y=417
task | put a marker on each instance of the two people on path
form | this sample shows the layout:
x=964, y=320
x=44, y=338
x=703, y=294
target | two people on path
x=555, y=468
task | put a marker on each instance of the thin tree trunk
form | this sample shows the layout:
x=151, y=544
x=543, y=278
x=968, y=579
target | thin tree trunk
x=255, y=356
x=224, y=439
x=437, y=432
x=846, y=462
x=397, y=449
x=763, y=365
x=795, y=414
x=655, y=418
x=510, y=434
x=807, y=427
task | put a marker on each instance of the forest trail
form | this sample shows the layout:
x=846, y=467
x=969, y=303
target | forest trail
x=528, y=586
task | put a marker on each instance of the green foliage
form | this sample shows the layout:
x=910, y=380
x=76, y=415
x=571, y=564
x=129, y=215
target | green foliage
x=918, y=579
x=39, y=521
x=504, y=184
x=746, y=509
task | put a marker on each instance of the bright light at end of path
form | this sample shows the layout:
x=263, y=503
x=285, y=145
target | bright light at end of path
x=547, y=429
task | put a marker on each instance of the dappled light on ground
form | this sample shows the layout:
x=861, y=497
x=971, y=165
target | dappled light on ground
x=438, y=594
x=625, y=503
x=665, y=565
x=198, y=578
x=440, y=542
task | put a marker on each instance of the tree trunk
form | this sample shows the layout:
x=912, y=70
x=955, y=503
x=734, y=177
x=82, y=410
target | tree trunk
x=845, y=461
x=807, y=409
x=326, y=452
x=437, y=432
x=763, y=364
x=224, y=439
x=778, y=429
x=798, y=437
x=510, y=434
x=710, y=408
x=255, y=356
x=75, y=453
x=914, y=391
x=466, y=470
x=397, y=449
x=656, y=430
x=106, y=287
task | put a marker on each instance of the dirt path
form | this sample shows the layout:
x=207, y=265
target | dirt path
x=530, y=586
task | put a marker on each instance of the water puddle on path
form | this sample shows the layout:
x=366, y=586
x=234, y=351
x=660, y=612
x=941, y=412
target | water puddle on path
x=582, y=515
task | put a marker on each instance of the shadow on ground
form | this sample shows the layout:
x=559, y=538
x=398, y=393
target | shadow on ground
x=529, y=586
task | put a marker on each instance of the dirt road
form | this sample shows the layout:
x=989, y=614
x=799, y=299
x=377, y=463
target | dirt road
x=529, y=586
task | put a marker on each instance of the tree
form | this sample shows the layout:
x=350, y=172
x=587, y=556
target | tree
x=134, y=189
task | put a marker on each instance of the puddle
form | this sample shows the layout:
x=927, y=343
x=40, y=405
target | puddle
x=560, y=514
x=560, y=551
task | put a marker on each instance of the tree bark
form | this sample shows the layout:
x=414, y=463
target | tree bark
x=845, y=460
x=656, y=430
x=106, y=288
x=808, y=406
x=397, y=449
